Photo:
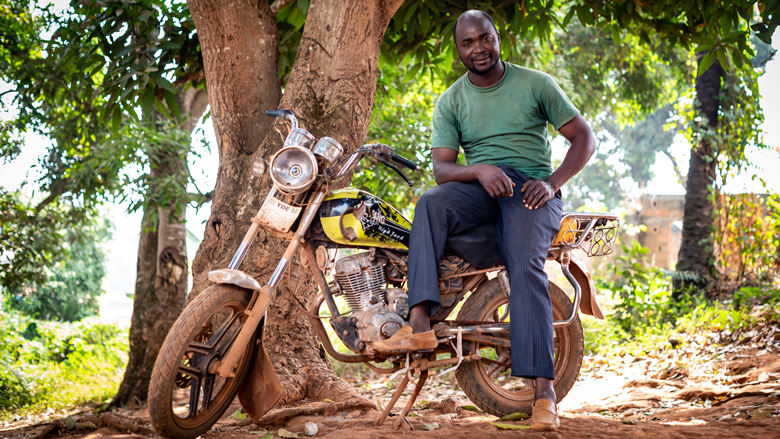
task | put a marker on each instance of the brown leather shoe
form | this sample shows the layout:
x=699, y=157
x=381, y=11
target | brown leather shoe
x=406, y=341
x=545, y=416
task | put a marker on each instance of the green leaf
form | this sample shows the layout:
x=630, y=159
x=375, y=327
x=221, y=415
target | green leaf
x=510, y=426
x=703, y=40
x=147, y=101
x=161, y=108
x=514, y=416
x=170, y=45
x=568, y=17
x=615, y=35
x=706, y=62
x=409, y=12
x=173, y=105
x=117, y=118
x=164, y=83
x=424, y=19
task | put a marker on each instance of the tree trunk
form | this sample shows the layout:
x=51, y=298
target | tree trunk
x=696, y=251
x=331, y=90
x=161, y=279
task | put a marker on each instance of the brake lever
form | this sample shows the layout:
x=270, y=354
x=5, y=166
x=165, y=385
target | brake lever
x=394, y=168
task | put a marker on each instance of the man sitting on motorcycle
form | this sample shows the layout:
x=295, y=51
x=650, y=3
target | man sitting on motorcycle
x=498, y=113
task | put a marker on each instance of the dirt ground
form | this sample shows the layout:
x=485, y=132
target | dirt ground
x=697, y=387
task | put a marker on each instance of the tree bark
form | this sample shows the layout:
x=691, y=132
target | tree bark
x=161, y=278
x=331, y=89
x=696, y=251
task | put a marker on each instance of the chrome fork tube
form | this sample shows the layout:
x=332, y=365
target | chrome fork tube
x=308, y=217
x=248, y=238
x=347, y=168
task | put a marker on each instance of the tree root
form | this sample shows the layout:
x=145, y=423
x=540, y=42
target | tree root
x=50, y=429
x=764, y=393
x=107, y=420
x=278, y=417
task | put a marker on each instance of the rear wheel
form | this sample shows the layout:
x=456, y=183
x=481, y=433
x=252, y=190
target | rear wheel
x=185, y=399
x=489, y=382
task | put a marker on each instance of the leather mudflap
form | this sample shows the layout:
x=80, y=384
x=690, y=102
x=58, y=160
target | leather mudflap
x=588, y=303
x=261, y=389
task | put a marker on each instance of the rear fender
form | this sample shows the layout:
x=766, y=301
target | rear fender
x=588, y=303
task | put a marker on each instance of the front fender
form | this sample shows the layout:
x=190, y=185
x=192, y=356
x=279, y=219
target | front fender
x=235, y=277
x=588, y=303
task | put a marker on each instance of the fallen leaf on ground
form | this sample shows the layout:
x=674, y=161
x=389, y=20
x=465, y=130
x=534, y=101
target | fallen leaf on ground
x=510, y=426
x=471, y=408
x=284, y=433
x=329, y=400
x=629, y=421
x=514, y=416
x=760, y=414
x=431, y=426
x=261, y=432
x=238, y=415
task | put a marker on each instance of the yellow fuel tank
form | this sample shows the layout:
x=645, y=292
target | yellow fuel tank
x=354, y=217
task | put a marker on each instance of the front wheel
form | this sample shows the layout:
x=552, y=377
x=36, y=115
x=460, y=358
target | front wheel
x=185, y=399
x=489, y=383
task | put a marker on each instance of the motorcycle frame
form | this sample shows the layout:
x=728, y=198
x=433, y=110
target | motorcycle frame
x=561, y=253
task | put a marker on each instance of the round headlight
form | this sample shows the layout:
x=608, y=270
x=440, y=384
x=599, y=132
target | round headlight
x=293, y=169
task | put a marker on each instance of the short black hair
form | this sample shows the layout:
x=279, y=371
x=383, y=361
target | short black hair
x=472, y=12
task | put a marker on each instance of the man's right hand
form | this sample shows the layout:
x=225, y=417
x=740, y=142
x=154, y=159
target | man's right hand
x=494, y=180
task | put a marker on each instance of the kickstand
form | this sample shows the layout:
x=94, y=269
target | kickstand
x=412, y=398
x=394, y=399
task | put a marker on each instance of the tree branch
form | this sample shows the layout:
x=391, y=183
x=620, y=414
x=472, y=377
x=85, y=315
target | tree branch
x=200, y=198
x=277, y=5
x=58, y=187
x=195, y=76
x=683, y=179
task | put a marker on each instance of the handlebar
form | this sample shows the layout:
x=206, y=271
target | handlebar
x=403, y=161
x=381, y=152
x=384, y=154
x=287, y=114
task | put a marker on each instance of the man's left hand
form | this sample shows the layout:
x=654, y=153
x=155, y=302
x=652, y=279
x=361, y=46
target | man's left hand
x=536, y=193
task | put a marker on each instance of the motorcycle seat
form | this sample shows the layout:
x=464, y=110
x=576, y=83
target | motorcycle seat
x=478, y=246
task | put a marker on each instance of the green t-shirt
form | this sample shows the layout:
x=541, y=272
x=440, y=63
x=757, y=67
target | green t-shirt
x=505, y=124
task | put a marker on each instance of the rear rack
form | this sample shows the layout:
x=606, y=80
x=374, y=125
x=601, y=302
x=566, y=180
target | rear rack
x=595, y=233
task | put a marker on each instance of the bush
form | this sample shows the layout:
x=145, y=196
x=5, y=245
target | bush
x=644, y=314
x=51, y=365
x=13, y=390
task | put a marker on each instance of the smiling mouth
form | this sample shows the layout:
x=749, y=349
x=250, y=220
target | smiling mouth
x=480, y=60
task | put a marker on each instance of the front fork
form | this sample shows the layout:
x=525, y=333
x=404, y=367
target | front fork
x=264, y=295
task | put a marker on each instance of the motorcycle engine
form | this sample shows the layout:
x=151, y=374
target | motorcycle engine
x=379, y=311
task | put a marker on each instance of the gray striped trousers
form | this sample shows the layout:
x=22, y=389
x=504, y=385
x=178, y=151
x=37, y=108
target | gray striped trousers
x=524, y=236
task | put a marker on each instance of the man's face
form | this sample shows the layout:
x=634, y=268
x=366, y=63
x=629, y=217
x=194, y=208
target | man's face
x=478, y=45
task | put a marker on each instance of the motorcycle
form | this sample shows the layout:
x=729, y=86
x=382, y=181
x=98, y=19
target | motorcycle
x=214, y=351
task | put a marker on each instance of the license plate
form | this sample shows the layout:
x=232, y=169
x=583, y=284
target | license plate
x=277, y=215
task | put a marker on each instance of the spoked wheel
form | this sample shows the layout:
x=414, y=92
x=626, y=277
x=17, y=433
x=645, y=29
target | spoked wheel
x=186, y=397
x=489, y=383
